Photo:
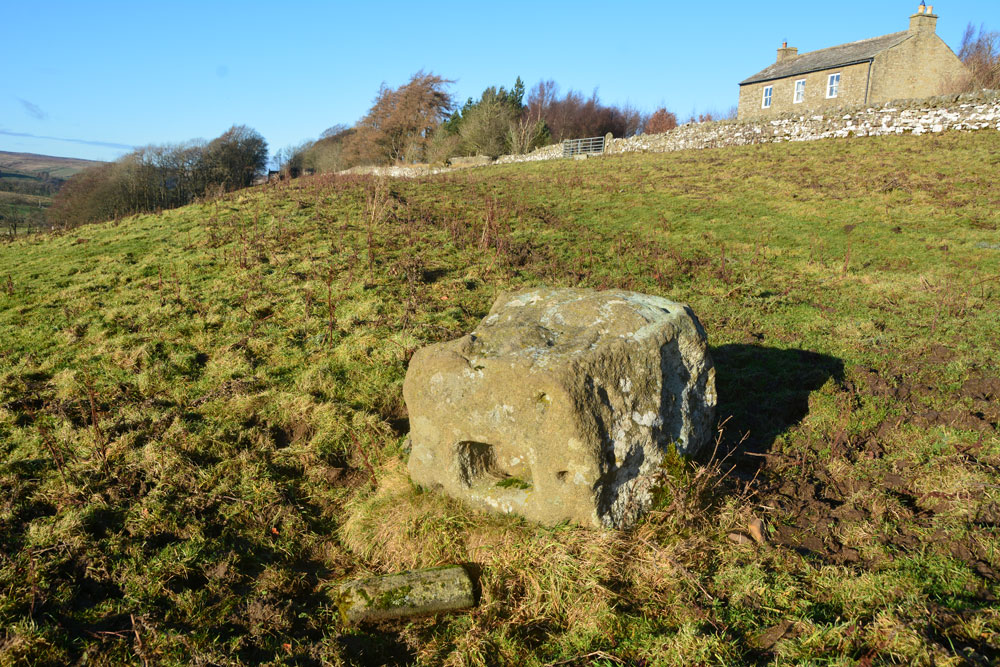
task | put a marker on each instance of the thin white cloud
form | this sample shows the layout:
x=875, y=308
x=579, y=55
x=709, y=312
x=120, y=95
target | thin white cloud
x=86, y=142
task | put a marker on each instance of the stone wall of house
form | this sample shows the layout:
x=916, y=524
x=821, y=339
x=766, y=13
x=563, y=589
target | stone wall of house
x=918, y=67
x=852, y=89
x=970, y=111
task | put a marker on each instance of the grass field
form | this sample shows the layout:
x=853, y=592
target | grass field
x=189, y=403
x=18, y=199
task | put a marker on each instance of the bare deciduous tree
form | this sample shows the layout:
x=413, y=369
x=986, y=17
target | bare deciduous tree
x=981, y=54
x=574, y=116
x=400, y=122
x=526, y=133
x=660, y=121
x=159, y=177
x=236, y=157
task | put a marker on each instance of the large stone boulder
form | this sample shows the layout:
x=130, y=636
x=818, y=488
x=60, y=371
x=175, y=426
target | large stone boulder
x=561, y=405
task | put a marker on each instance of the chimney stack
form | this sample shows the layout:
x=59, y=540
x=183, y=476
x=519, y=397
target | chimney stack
x=786, y=52
x=924, y=20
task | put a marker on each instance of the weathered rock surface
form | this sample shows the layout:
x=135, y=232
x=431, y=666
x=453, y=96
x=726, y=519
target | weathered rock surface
x=406, y=594
x=561, y=404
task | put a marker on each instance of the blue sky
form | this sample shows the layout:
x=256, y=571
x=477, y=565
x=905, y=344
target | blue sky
x=93, y=79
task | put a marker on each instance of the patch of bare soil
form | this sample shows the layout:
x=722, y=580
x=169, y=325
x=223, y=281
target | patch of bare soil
x=975, y=407
x=816, y=512
x=815, y=507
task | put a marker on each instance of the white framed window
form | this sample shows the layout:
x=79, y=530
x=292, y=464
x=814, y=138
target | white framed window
x=833, y=85
x=766, y=101
x=800, y=91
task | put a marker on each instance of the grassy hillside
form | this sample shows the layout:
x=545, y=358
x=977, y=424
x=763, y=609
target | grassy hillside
x=31, y=163
x=18, y=199
x=190, y=402
x=27, y=185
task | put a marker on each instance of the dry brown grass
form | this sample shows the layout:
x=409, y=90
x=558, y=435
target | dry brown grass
x=560, y=581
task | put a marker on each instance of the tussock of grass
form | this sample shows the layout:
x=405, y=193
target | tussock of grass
x=399, y=526
x=567, y=582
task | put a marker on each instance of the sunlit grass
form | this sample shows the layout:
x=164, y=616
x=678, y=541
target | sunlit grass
x=246, y=357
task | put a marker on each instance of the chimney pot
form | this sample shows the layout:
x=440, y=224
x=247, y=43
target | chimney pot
x=930, y=9
x=920, y=9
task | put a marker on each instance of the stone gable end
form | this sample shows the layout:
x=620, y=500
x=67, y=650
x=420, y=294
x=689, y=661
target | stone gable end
x=923, y=66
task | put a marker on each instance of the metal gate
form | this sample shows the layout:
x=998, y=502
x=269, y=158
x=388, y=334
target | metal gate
x=589, y=146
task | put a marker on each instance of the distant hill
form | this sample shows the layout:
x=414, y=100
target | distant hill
x=27, y=184
x=32, y=164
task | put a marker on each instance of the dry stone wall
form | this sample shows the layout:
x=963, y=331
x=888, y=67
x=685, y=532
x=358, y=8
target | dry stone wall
x=396, y=171
x=974, y=111
x=550, y=152
x=966, y=112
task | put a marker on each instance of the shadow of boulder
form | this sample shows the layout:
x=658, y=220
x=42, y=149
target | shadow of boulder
x=763, y=392
x=372, y=646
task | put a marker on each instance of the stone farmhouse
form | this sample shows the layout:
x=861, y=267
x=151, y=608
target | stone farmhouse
x=909, y=64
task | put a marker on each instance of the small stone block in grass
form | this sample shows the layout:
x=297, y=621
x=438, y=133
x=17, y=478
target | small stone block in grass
x=406, y=594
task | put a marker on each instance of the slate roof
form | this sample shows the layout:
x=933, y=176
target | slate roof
x=835, y=56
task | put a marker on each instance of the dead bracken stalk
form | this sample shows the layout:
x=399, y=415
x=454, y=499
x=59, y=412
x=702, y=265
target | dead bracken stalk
x=690, y=577
x=100, y=442
x=495, y=230
x=177, y=284
x=376, y=205
x=254, y=321
x=412, y=268
x=138, y=642
x=33, y=578
x=364, y=458
x=199, y=308
x=331, y=308
x=407, y=351
x=49, y=444
x=723, y=273
x=10, y=286
x=589, y=659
